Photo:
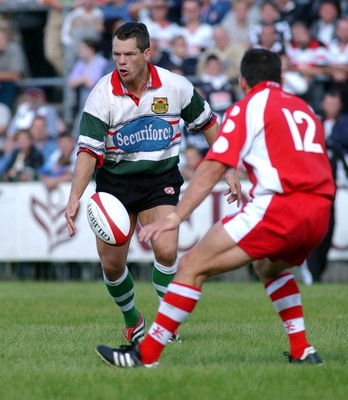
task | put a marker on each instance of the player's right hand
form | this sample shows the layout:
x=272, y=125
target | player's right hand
x=71, y=212
x=234, y=192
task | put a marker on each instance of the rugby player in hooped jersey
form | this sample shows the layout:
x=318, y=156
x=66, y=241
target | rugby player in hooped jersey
x=281, y=143
x=130, y=132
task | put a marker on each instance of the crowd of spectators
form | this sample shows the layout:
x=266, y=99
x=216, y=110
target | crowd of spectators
x=201, y=39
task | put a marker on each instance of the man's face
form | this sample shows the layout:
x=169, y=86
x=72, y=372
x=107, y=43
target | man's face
x=331, y=105
x=129, y=60
x=301, y=35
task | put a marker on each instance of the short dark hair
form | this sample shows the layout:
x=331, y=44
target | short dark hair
x=260, y=65
x=135, y=30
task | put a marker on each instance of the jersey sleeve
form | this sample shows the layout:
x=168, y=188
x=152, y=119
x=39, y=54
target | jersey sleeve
x=230, y=139
x=196, y=112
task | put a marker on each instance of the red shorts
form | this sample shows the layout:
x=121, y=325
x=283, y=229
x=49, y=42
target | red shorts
x=280, y=227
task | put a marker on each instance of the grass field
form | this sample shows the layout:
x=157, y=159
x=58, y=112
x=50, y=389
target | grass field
x=232, y=345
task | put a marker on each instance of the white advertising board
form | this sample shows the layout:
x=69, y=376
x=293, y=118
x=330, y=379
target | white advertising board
x=33, y=225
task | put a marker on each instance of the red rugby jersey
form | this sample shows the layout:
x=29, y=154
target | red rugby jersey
x=280, y=141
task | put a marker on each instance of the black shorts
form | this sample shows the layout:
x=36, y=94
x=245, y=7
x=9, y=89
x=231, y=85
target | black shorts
x=141, y=192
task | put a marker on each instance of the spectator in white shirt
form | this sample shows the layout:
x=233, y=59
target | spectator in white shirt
x=198, y=35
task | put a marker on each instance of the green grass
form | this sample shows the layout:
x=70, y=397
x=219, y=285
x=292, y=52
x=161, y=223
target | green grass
x=232, y=345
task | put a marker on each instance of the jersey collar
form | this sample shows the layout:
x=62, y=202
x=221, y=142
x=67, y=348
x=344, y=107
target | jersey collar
x=265, y=85
x=119, y=89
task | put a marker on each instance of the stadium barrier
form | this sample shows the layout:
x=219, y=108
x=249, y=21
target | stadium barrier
x=33, y=225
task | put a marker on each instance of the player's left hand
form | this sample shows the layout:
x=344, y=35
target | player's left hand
x=154, y=230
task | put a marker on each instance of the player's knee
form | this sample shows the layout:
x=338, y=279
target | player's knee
x=166, y=257
x=265, y=269
x=112, y=267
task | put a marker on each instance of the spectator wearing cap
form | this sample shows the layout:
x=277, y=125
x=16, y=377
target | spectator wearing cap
x=33, y=103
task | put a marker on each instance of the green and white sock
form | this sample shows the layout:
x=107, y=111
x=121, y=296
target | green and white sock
x=122, y=291
x=162, y=276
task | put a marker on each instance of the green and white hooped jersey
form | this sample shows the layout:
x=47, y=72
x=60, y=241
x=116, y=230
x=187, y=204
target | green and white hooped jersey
x=130, y=135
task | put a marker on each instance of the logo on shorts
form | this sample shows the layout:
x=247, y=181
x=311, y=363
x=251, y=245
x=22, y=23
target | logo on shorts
x=169, y=190
x=159, y=105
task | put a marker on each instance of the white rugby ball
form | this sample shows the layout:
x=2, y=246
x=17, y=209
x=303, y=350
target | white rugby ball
x=108, y=219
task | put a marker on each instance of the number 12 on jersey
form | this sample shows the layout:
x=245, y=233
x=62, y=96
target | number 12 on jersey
x=307, y=142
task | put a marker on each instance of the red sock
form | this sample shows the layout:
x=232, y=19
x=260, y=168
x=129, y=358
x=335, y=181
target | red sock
x=176, y=306
x=286, y=298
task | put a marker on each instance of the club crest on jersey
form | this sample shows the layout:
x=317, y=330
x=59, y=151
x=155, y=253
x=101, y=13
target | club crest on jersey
x=160, y=105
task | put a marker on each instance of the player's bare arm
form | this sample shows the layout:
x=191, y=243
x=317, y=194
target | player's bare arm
x=83, y=171
x=205, y=178
x=211, y=133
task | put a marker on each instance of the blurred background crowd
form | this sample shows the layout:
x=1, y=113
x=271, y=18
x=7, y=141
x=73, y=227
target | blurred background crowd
x=53, y=52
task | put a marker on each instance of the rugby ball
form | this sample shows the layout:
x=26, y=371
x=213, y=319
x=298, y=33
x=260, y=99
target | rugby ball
x=108, y=219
